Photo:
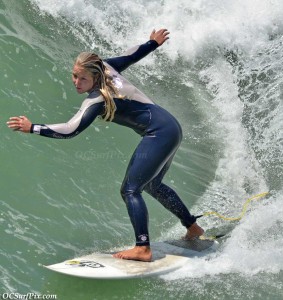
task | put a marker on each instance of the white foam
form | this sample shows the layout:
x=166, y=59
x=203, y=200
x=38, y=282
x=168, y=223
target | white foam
x=247, y=251
x=195, y=25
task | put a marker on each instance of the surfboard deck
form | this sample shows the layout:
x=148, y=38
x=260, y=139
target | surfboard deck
x=167, y=257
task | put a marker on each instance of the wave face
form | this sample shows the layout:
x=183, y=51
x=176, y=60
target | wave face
x=220, y=74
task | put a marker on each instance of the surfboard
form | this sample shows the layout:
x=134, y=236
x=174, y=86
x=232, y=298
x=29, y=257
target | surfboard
x=167, y=257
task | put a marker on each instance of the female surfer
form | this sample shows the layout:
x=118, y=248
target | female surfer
x=115, y=99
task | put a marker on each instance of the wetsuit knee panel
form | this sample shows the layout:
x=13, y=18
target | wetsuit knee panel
x=127, y=190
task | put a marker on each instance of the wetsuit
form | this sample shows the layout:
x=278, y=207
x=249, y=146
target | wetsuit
x=161, y=136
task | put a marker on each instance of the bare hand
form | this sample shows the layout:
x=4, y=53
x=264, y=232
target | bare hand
x=160, y=36
x=20, y=123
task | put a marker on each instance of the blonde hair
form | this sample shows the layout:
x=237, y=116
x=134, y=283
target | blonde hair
x=92, y=63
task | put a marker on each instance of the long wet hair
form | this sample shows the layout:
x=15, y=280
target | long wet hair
x=92, y=63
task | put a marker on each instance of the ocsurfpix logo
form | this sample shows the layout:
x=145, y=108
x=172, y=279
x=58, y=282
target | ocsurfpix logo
x=84, y=263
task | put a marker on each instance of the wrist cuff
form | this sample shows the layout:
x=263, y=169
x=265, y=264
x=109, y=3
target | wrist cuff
x=153, y=43
x=35, y=129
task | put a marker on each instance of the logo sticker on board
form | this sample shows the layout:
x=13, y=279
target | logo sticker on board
x=84, y=263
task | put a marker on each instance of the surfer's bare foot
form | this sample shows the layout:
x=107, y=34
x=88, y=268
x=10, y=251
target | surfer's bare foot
x=142, y=253
x=193, y=232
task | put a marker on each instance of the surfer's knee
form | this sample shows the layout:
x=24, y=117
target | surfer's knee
x=153, y=187
x=150, y=189
x=127, y=191
x=124, y=192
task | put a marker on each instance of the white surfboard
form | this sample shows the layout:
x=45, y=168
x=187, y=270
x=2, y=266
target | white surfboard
x=167, y=257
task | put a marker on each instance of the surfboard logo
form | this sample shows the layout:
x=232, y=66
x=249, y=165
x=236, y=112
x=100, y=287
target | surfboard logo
x=84, y=263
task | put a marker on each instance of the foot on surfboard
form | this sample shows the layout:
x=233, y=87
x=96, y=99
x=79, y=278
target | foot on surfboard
x=193, y=232
x=142, y=253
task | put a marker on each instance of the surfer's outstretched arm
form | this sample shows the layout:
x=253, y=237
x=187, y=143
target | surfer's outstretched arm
x=133, y=55
x=79, y=122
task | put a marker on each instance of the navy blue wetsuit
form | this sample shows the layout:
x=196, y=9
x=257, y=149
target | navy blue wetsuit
x=161, y=137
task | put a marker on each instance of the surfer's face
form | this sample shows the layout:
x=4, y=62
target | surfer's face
x=82, y=79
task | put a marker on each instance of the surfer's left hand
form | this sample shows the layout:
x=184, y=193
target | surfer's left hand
x=159, y=36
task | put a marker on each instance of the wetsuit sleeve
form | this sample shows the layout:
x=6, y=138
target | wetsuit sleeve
x=79, y=122
x=132, y=56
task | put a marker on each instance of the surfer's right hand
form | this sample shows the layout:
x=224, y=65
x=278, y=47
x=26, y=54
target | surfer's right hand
x=20, y=123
